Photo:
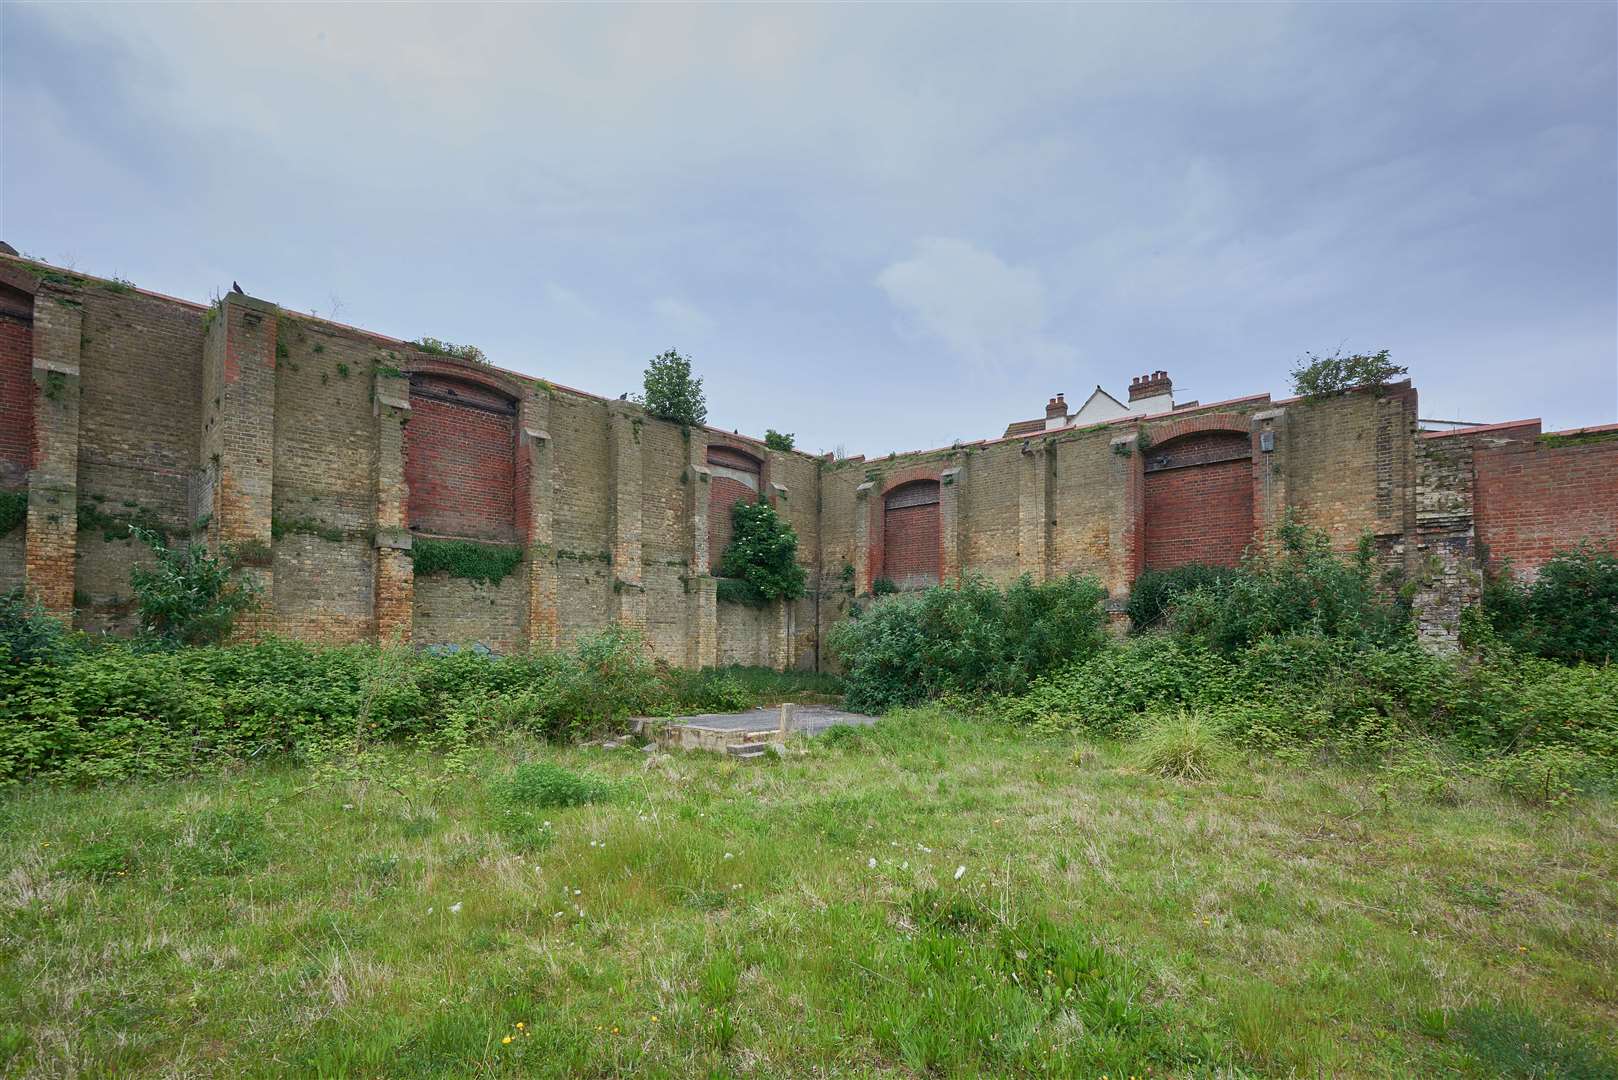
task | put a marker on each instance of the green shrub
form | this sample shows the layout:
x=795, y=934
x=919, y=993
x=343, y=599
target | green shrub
x=1152, y=596
x=31, y=635
x=1569, y=612
x=1544, y=775
x=672, y=393
x=1303, y=587
x=883, y=587
x=543, y=784
x=966, y=637
x=445, y=348
x=777, y=440
x=762, y=555
x=1182, y=744
x=190, y=597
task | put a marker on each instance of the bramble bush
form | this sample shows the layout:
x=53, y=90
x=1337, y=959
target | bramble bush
x=1302, y=587
x=190, y=596
x=1569, y=612
x=1152, y=596
x=966, y=637
x=81, y=713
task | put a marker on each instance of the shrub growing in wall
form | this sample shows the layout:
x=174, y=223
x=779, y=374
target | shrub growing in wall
x=672, y=393
x=762, y=558
x=1152, y=596
x=1326, y=376
x=190, y=597
x=777, y=440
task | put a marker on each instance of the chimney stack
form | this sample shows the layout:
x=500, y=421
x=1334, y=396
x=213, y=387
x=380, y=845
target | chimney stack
x=1156, y=384
x=1056, y=406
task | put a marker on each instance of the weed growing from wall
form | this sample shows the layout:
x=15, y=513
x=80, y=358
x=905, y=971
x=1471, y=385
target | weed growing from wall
x=280, y=526
x=762, y=556
x=491, y=563
x=438, y=347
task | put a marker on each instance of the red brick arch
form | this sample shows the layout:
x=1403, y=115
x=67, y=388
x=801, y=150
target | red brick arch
x=1198, y=492
x=736, y=476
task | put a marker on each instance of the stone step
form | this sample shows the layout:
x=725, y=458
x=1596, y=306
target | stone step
x=748, y=751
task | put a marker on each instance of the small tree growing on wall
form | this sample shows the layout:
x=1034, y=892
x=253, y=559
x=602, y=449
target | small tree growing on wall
x=776, y=440
x=1325, y=376
x=762, y=556
x=671, y=391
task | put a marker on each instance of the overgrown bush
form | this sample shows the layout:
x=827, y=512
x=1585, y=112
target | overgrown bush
x=1153, y=595
x=30, y=635
x=1325, y=376
x=190, y=597
x=672, y=393
x=1302, y=587
x=966, y=637
x=544, y=784
x=1569, y=612
x=779, y=440
x=762, y=556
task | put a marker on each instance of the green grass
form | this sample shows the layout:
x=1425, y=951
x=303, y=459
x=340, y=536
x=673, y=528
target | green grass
x=684, y=915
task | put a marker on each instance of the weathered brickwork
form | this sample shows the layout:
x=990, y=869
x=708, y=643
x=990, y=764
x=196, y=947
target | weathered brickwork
x=1532, y=495
x=320, y=453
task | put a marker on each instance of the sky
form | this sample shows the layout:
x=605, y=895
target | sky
x=879, y=228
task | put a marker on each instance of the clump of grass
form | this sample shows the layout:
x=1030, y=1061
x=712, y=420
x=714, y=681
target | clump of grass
x=542, y=784
x=1184, y=745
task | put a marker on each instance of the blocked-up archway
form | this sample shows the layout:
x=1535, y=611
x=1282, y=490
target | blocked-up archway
x=1199, y=500
x=910, y=534
x=460, y=458
x=734, y=476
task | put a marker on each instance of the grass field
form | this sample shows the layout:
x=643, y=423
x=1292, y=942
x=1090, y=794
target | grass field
x=930, y=896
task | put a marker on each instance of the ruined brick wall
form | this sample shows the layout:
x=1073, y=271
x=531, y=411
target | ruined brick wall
x=321, y=454
x=1537, y=496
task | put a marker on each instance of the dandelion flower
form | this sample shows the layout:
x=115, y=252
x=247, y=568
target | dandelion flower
x=505, y=1040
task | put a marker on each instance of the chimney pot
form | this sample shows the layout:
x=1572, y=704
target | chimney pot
x=1155, y=384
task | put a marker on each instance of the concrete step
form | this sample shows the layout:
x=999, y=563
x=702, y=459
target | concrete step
x=749, y=751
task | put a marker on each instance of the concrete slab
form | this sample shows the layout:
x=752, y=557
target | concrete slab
x=721, y=731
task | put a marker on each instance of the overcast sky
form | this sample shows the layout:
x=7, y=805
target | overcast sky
x=880, y=228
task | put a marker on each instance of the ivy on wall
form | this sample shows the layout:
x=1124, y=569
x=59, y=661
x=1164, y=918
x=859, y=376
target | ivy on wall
x=491, y=563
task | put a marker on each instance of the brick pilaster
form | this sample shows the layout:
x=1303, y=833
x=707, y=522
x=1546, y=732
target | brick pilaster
x=623, y=447
x=1272, y=450
x=395, y=572
x=949, y=523
x=702, y=620
x=536, y=503
x=52, y=536
x=1033, y=510
x=866, y=506
x=239, y=369
x=1126, y=514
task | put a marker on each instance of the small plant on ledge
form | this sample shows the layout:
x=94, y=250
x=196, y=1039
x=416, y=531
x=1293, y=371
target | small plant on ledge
x=445, y=348
x=672, y=393
x=776, y=440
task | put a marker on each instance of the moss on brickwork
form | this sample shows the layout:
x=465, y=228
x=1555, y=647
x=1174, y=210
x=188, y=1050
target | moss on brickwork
x=468, y=559
x=1584, y=439
x=116, y=525
x=281, y=526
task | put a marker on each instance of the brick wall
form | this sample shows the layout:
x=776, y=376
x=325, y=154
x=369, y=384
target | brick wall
x=1199, y=500
x=1535, y=497
x=460, y=460
x=248, y=424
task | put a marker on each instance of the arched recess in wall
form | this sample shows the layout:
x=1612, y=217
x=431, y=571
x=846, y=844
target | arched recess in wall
x=910, y=534
x=734, y=476
x=16, y=387
x=460, y=458
x=1199, y=499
